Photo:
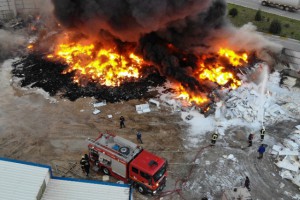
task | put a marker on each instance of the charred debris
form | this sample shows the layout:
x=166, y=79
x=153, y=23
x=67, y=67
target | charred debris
x=35, y=71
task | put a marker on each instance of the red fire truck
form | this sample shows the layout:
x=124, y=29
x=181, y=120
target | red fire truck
x=128, y=162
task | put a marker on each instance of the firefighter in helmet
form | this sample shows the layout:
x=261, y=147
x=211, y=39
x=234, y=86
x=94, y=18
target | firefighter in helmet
x=262, y=133
x=82, y=163
x=214, y=138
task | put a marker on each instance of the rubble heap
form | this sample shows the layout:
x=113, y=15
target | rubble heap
x=287, y=157
x=246, y=103
x=36, y=72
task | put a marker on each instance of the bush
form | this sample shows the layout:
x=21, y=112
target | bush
x=258, y=16
x=275, y=27
x=233, y=12
x=287, y=25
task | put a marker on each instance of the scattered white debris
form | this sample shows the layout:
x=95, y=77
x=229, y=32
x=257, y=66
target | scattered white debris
x=189, y=117
x=286, y=174
x=285, y=164
x=142, y=108
x=105, y=178
x=99, y=104
x=96, y=111
x=109, y=116
x=81, y=110
x=231, y=157
x=288, y=157
x=154, y=102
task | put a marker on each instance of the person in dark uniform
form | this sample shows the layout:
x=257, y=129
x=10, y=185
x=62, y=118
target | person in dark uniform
x=82, y=163
x=214, y=138
x=122, y=122
x=139, y=137
x=262, y=133
x=250, y=138
x=247, y=183
x=87, y=167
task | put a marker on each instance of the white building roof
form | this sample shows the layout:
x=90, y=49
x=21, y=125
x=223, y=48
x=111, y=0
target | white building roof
x=19, y=180
x=29, y=181
x=77, y=190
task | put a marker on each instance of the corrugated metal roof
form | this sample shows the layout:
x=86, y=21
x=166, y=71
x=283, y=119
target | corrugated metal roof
x=21, y=181
x=59, y=189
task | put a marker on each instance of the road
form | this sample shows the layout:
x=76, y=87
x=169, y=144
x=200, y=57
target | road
x=255, y=4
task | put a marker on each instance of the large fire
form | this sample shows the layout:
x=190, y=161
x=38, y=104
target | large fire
x=107, y=66
x=217, y=73
x=101, y=65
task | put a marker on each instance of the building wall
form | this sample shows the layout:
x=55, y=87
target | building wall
x=13, y=8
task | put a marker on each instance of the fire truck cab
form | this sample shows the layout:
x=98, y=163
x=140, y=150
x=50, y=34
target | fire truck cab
x=128, y=162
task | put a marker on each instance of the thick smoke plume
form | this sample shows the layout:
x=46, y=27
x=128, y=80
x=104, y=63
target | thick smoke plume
x=190, y=26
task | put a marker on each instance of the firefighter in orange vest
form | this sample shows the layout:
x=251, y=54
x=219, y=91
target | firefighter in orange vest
x=214, y=137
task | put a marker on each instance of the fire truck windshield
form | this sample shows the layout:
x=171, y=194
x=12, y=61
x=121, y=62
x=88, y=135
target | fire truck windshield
x=160, y=172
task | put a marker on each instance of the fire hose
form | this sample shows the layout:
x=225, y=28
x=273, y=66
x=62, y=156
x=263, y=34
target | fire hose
x=182, y=180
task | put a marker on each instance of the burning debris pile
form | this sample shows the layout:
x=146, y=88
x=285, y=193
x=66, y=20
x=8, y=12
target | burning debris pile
x=35, y=71
x=117, y=51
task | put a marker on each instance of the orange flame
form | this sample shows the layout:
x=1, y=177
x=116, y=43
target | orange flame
x=104, y=66
x=192, y=98
x=234, y=59
x=216, y=73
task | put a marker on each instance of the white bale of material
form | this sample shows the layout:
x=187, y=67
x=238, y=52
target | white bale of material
x=96, y=111
x=154, y=102
x=142, y=108
x=285, y=164
x=286, y=174
x=290, y=144
x=105, y=178
x=296, y=180
x=288, y=152
x=96, y=105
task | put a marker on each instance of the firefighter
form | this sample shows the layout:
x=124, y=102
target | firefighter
x=82, y=163
x=261, y=150
x=139, y=137
x=86, y=157
x=247, y=183
x=250, y=138
x=214, y=138
x=87, y=167
x=122, y=122
x=262, y=133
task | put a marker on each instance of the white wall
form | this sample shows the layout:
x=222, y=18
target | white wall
x=12, y=8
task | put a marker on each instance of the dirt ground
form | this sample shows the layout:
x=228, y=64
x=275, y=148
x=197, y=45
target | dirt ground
x=33, y=129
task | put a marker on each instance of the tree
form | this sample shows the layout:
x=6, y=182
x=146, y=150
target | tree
x=275, y=27
x=258, y=16
x=233, y=12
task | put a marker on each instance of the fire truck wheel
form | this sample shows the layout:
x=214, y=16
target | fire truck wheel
x=141, y=189
x=105, y=171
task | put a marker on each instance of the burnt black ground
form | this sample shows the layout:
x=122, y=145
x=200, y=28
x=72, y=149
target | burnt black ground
x=37, y=72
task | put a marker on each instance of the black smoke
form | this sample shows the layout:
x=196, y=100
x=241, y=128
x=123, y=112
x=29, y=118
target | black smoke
x=192, y=27
x=153, y=24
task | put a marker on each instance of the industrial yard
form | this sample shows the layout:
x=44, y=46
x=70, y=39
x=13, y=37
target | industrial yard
x=48, y=110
